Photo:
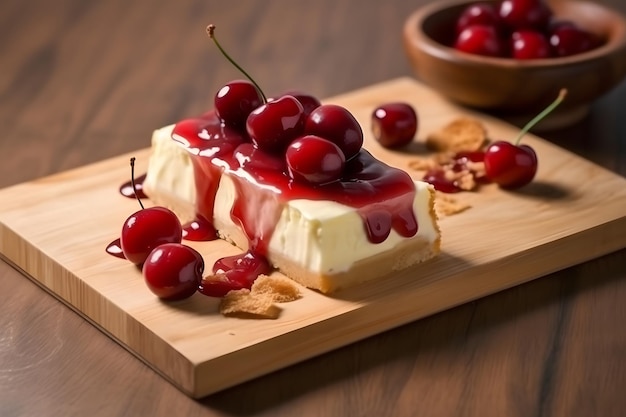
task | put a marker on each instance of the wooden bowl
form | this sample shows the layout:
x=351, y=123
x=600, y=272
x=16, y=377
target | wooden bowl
x=511, y=88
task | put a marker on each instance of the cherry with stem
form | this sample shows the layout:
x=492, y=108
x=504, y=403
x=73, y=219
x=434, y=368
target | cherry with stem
x=540, y=116
x=511, y=165
x=210, y=30
x=148, y=228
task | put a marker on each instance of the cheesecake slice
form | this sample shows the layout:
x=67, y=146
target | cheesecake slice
x=373, y=222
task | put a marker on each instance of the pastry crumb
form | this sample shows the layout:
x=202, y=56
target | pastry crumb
x=462, y=134
x=259, y=301
x=280, y=289
x=446, y=205
x=241, y=303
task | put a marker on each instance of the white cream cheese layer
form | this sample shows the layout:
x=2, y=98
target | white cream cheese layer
x=170, y=170
x=321, y=236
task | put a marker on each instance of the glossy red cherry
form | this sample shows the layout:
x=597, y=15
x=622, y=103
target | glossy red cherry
x=309, y=102
x=234, y=273
x=568, y=39
x=173, y=271
x=480, y=40
x=235, y=101
x=484, y=14
x=276, y=123
x=509, y=165
x=529, y=44
x=314, y=160
x=525, y=14
x=394, y=124
x=338, y=125
x=146, y=229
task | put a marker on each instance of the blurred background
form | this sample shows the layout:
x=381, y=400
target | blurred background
x=80, y=74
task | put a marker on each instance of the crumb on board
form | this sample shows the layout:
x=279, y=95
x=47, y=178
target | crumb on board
x=461, y=134
x=447, y=205
x=259, y=301
x=280, y=288
x=240, y=303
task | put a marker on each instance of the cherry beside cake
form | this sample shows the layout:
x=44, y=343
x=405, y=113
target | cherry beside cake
x=287, y=181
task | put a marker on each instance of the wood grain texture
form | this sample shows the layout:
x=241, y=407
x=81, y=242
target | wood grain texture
x=85, y=81
x=485, y=249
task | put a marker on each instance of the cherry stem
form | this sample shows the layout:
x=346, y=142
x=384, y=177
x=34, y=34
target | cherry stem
x=541, y=115
x=210, y=30
x=132, y=180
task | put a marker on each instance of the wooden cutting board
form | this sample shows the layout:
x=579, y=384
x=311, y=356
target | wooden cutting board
x=55, y=230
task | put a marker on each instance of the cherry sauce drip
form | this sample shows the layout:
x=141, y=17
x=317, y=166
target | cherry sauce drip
x=126, y=189
x=199, y=230
x=234, y=273
x=115, y=248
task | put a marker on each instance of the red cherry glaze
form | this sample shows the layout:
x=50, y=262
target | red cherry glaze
x=256, y=160
x=437, y=178
x=248, y=265
x=127, y=190
x=530, y=44
x=484, y=14
x=568, y=39
x=234, y=273
x=219, y=285
x=525, y=14
x=510, y=166
x=235, y=101
x=115, y=248
x=173, y=271
x=146, y=229
x=199, y=230
x=480, y=40
x=338, y=125
x=365, y=181
x=209, y=134
x=394, y=124
x=276, y=123
x=314, y=160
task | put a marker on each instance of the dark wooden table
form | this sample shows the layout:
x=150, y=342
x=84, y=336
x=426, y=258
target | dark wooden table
x=81, y=81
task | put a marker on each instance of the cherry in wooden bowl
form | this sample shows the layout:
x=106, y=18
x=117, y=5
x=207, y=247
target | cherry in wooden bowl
x=511, y=88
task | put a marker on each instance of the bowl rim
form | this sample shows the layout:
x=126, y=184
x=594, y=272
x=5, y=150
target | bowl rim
x=413, y=32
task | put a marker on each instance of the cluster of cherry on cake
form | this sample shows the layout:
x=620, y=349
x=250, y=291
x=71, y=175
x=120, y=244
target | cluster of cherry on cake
x=295, y=135
x=520, y=29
